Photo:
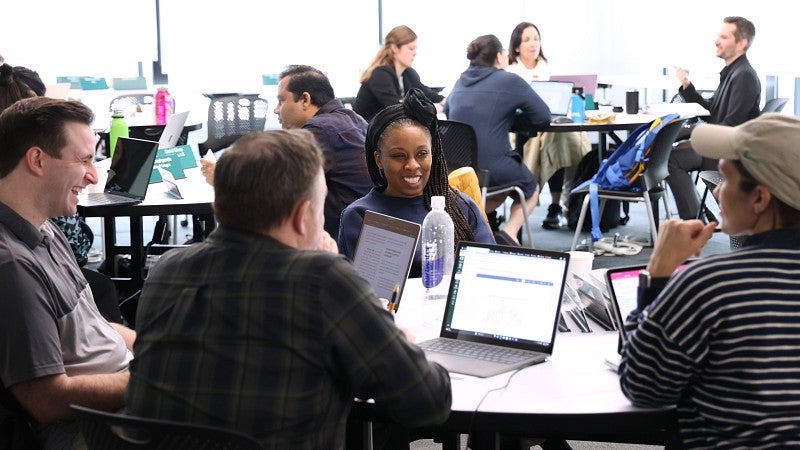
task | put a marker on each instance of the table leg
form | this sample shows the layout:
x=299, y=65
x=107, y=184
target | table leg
x=137, y=251
x=109, y=246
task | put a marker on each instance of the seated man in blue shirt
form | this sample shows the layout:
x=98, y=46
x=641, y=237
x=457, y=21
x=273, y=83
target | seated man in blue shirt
x=263, y=327
x=306, y=100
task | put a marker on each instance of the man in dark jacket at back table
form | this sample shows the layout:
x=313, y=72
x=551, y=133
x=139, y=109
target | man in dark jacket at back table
x=734, y=102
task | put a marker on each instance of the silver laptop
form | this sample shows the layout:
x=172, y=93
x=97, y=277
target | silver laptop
x=128, y=176
x=556, y=95
x=385, y=251
x=502, y=309
x=172, y=130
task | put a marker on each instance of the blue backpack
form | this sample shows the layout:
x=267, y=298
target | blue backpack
x=622, y=169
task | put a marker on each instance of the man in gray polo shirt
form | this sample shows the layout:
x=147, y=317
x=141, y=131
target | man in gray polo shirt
x=55, y=347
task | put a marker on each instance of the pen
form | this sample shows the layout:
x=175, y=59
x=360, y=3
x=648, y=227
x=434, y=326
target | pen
x=394, y=302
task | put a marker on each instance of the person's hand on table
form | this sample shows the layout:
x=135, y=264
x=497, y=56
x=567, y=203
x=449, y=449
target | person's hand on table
x=677, y=241
x=207, y=169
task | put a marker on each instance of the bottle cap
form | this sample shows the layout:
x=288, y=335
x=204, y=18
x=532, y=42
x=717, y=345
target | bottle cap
x=117, y=113
x=437, y=202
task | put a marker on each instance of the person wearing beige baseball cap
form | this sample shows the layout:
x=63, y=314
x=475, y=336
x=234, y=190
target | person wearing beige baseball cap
x=721, y=338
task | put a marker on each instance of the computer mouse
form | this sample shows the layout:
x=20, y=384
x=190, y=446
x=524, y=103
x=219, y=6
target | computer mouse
x=562, y=119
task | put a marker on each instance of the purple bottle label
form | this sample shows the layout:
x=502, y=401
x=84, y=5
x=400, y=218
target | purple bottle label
x=432, y=266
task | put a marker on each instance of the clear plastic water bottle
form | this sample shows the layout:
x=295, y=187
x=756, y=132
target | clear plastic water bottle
x=163, y=106
x=437, y=250
x=118, y=128
x=577, y=107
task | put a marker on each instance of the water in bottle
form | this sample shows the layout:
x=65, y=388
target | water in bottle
x=437, y=250
x=118, y=128
x=164, y=106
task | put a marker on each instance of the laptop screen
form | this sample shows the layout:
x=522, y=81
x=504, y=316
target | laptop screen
x=623, y=286
x=131, y=166
x=556, y=94
x=587, y=82
x=505, y=295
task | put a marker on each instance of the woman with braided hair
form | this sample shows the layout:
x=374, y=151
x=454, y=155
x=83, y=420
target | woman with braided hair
x=406, y=163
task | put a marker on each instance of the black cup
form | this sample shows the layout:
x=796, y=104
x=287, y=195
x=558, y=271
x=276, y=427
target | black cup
x=632, y=102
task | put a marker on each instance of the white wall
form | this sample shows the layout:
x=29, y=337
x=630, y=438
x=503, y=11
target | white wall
x=221, y=46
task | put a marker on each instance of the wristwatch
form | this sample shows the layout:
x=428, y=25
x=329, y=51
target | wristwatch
x=649, y=282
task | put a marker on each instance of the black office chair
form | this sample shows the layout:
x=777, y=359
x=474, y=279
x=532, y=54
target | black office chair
x=231, y=117
x=16, y=425
x=110, y=431
x=651, y=182
x=460, y=146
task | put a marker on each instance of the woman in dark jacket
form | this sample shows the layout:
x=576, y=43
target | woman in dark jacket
x=390, y=75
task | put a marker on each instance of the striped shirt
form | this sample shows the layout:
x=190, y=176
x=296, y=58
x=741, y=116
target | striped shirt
x=722, y=342
x=241, y=331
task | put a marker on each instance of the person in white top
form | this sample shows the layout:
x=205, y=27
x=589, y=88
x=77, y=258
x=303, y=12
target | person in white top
x=547, y=155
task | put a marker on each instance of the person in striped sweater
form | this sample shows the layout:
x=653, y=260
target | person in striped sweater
x=721, y=338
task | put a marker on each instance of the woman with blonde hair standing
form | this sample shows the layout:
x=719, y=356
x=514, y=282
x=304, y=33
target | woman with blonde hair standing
x=390, y=75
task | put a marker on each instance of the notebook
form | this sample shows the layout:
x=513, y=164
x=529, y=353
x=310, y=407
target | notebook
x=385, y=251
x=129, y=174
x=556, y=94
x=503, y=301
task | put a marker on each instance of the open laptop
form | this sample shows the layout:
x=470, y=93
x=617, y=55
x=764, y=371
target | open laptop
x=556, y=95
x=588, y=82
x=385, y=251
x=128, y=176
x=502, y=309
x=623, y=287
x=172, y=130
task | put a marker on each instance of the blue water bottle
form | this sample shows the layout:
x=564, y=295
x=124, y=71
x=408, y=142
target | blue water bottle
x=577, y=106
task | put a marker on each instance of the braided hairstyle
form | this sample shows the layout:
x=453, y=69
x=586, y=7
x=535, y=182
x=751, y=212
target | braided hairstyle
x=417, y=109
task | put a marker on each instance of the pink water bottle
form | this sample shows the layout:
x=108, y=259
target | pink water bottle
x=163, y=106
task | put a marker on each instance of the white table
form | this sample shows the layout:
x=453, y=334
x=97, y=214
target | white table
x=573, y=395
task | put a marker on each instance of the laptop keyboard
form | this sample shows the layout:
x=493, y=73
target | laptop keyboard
x=476, y=350
x=100, y=198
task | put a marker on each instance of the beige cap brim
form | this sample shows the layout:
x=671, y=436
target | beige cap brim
x=715, y=141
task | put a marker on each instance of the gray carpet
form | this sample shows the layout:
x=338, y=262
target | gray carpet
x=636, y=230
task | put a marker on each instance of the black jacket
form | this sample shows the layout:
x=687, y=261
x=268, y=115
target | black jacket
x=383, y=89
x=737, y=97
